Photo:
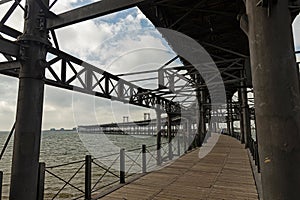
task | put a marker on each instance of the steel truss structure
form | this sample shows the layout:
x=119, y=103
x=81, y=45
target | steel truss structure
x=224, y=28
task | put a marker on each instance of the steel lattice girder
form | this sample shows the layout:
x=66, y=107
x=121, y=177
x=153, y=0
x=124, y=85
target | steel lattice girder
x=90, y=11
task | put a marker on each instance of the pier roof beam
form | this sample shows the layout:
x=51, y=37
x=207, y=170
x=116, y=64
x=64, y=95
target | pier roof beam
x=10, y=65
x=90, y=11
x=9, y=48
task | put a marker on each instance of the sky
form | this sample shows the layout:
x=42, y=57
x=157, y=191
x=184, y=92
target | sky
x=119, y=43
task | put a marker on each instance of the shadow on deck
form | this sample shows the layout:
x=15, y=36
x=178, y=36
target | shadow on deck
x=224, y=173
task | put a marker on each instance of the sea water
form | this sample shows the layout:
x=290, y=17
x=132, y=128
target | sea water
x=60, y=147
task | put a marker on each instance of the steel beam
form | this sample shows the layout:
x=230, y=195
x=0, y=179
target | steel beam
x=26, y=148
x=90, y=11
x=8, y=47
x=277, y=99
x=224, y=49
x=10, y=65
x=4, y=1
x=9, y=31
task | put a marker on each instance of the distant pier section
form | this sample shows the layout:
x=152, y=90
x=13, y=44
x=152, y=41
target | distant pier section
x=143, y=127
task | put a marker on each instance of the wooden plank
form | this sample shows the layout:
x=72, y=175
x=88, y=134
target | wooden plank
x=219, y=175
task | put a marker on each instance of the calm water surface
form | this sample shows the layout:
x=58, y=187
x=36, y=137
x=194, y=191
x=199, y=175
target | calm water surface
x=59, y=147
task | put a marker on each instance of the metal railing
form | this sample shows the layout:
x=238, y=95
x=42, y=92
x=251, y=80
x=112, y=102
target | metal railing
x=94, y=172
x=82, y=179
x=1, y=180
x=253, y=147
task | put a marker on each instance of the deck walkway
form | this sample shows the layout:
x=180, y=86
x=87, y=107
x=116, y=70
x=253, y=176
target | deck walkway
x=225, y=173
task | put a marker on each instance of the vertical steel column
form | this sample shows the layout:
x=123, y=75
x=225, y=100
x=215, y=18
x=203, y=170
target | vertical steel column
x=246, y=114
x=231, y=118
x=197, y=137
x=209, y=120
x=178, y=143
x=277, y=99
x=25, y=161
x=202, y=117
x=158, y=136
x=188, y=130
x=228, y=117
x=184, y=135
x=242, y=132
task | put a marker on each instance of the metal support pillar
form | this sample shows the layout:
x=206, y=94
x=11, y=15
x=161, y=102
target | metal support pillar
x=228, y=117
x=277, y=99
x=189, y=131
x=242, y=134
x=184, y=136
x=246, y=114
x=209, y=120
x=169, y=129
x=231, y=117
x=202, y=118
x=197, y=138
x=26, y=149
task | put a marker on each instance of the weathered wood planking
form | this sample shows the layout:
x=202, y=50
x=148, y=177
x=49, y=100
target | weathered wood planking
x=225, y=173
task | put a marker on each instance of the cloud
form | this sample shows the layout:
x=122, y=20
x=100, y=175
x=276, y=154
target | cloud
x=119, y=43
x=8, y=98
x=296, y=31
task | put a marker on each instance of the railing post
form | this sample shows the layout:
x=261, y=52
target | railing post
x=41, y=181
x=122, y=165
x=144, y=160
x=158, y=148
x=169, y=129
x=158, y=130
x=178, y=144
x=88, y=177
x=1, y=178
x=189, y=132
x=257, y=157
x=184, y=136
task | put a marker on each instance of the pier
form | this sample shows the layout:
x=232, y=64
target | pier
x=233, y=69
x=225, y=173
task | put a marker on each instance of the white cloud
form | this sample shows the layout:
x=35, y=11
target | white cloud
x=118, y=42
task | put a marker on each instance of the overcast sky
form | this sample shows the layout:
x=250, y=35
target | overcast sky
x=119, y=43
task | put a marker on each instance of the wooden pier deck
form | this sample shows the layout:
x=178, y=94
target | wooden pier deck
x=225, y=173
